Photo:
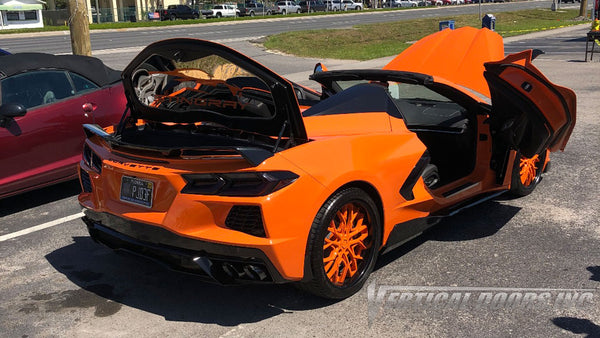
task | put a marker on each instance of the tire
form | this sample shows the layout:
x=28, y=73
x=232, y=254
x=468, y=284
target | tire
x=251, y=13
x=312, y=10
x=173, y=17
x=358, y=8
x=195, y=16
x=283, y=12
x=218, y=15
x=298, y=11
x=268, y=12
x=526, y=174
x=337, y=272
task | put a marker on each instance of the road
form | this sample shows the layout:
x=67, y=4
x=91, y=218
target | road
x=57, y=282
x=118, y=46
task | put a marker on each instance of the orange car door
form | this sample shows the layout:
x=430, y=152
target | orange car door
x=529, y=113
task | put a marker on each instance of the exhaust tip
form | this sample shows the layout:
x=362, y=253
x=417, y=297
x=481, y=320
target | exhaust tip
x=255, y=273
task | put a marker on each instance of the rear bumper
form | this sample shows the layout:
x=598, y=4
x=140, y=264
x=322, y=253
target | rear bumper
x=213, y=262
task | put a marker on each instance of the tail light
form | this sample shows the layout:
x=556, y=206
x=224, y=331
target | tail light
x=91, y=159
x=238, y=184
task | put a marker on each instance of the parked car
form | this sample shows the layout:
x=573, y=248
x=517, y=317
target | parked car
x=254, y=8
x=219, y=11
x=407, y=3
x=401, y=3
x=45, y=100
x=174, y=12
x=207, y=183
x=436, y=2
x=333, y=5
x=154, y=16
x=206, y=11
x=351, y=5
x=286, y=7
x=312, y=6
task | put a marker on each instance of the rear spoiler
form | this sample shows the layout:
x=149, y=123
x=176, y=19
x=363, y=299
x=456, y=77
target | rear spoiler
x=254, y=155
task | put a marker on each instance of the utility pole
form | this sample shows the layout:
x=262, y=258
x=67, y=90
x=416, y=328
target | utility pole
x=79, y=27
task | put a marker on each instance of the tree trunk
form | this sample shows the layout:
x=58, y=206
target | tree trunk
x=79, y=27
x=583, y=8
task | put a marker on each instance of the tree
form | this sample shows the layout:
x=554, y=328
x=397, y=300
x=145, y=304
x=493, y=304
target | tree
x=583, y=9
x=79, y=28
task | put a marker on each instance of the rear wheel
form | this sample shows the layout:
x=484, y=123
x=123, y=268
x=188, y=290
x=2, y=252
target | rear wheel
x=343, y=244
x=195, y=16
x=526, y=173
x=219, y=15
x=173, y=17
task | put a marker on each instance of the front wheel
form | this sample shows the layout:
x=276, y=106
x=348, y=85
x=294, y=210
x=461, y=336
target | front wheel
x=358, y=8
x=526, y=173
x=343, y=244
x=283, y=12
x=219, y=15
x=251, y=13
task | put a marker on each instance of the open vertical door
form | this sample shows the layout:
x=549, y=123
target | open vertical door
x=529, y=113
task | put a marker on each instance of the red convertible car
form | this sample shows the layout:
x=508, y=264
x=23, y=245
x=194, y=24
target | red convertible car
x=224, y=169
x=44, y=101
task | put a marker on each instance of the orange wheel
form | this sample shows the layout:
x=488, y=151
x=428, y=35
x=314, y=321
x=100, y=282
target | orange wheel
x=347, y=240
x=528, y=168
x=526, y=173
x=343, y=244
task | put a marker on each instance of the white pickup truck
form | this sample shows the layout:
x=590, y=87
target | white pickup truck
x=222, y=11
x=286, y=7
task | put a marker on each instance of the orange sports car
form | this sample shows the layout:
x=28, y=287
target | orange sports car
x=223, y=168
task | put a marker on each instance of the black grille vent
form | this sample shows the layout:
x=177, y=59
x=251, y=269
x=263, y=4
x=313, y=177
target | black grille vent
x=246, y=218
x=86, y=182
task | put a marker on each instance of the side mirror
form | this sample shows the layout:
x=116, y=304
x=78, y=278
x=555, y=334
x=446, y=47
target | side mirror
x=10, y=111
x=319, y=67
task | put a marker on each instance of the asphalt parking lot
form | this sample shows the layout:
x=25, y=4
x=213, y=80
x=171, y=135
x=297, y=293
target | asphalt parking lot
x=57, y=282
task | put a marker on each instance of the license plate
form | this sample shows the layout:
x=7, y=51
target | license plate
x=137, y=191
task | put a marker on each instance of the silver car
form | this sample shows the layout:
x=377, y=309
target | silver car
x=348, y=5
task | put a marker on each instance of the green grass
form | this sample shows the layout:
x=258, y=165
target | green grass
x=365, y=42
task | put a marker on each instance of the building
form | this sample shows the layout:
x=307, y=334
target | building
x=15, y=14
x=125, y=10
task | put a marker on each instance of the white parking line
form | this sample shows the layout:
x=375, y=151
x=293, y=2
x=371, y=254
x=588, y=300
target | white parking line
x=40, y=227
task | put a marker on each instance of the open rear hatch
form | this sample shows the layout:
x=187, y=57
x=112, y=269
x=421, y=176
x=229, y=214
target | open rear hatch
x=200, y=97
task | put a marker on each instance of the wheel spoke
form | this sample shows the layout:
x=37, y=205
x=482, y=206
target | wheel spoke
x=345, y=243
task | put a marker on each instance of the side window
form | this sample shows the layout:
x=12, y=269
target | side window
x=36, y=88
x=82, y=84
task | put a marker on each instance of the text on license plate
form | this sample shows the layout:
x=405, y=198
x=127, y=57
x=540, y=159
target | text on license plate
x=138, y=191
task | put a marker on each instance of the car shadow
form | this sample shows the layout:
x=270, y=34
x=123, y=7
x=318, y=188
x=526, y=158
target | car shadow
x=595, y=270
x=114, y=278
x=35, y=198
x=467, y=225
x=578, y=326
